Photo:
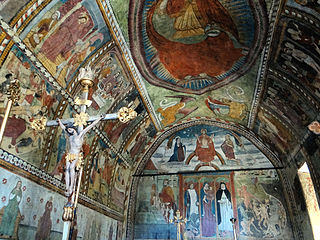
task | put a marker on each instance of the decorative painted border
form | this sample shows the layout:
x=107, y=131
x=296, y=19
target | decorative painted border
x=25, y=169
x=285, y=124
x=24, y=16
x=118, y=36
x=72, y=86
x=292, y=205
x=302, y=16
x=90, y=61
x=291, y=14
x=296, y=86
x=273, y=18
x=66, y=93
x=86, y=169
x=132, y=133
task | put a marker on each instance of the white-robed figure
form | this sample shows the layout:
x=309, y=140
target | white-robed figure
x=224, y=209
x=74, y=155
x=191, y=199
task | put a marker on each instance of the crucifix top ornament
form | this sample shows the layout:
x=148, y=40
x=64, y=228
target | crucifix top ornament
x=314, y=127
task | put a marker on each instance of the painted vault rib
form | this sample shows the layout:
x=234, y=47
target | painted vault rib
x=116, y=31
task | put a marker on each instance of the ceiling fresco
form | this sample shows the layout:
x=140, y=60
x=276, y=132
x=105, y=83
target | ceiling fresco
x=231, y=103
x=195, y=46
x=79, y=23
x=37, y=99
x=298, y=53
x=239, y=78
x=9, y=9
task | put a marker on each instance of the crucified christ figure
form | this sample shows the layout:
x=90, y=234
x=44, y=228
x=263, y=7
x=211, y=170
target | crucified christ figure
x=74, y=156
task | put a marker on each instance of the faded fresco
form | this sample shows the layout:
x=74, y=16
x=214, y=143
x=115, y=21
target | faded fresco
x=231, y=102
x=157, y=202
x=101, y=171
x=311, y=7
x=274, y=132
x=120, y=182
x=111, y=81
x=304, y=219
x=205, y=147
x=299, y=53
x=207, y=202
x=29, y=211
x=9, y=8
x=261, y=205
x=218, y=36
x=79, y=23
x=311, y=202
x=139, y=139
x=37, y=99
x=289, y=104
x=116, y=131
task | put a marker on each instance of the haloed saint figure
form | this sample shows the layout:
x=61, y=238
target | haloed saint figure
x=198, y=28
x=11, y=212
x=192, y=46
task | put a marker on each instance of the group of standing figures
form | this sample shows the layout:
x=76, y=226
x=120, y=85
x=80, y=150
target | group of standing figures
x=209, y=213
x=204, y=149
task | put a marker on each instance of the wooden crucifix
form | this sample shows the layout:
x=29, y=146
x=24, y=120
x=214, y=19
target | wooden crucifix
x=75, y=132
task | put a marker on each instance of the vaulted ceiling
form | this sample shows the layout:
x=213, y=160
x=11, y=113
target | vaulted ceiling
x=250, y=68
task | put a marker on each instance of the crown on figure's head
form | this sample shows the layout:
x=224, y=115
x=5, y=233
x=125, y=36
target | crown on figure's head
x=85, y=74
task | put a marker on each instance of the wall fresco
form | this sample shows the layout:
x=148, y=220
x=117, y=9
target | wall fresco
x=120, y=182
x=311, y=202
x=274, y=132
x=303, y=220
x=79, y=23
x=289, y=104
x=101, y=171
x=9, y=8
x=116, y=131
x=121, y=9
x=261, y=205
x=157, y=201
x=299, y=53
x=207, y=202
x=139, y=139
x=310, y=6
x=111, y=81
x=30, y=211
x=37, y=99
x=206, y=148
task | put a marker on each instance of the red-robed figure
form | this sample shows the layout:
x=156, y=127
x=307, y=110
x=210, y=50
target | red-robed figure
x=214, y=54
x=205, y=150
x=166, y=195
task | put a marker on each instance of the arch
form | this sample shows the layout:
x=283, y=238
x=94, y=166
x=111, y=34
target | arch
x=247, y=133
